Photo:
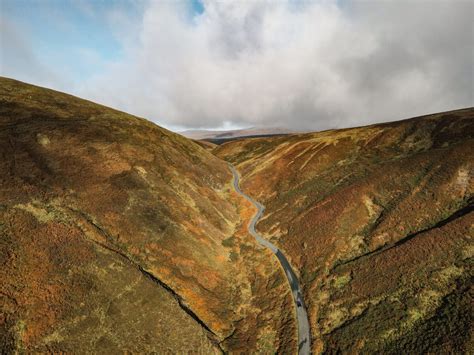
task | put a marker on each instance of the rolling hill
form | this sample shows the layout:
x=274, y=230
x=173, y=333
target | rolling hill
x=379, y=222
x=118, y=235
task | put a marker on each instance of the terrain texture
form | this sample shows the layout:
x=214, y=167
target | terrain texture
x=119, y=236
x=378, y=221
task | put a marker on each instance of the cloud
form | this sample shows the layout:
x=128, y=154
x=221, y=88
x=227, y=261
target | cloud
x=304, y=65
x=18, y=60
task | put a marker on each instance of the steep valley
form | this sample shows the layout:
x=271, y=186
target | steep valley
x=117, y=235
x=379, y=222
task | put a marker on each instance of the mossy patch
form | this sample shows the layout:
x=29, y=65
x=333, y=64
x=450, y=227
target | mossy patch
x=342, y=281
x=42, y=213
x=43, y=139
x=229, y=242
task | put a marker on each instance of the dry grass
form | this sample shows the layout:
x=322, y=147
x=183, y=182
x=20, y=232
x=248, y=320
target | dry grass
x=356, y=201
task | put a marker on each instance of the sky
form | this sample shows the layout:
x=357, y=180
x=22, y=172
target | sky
x=303, y=65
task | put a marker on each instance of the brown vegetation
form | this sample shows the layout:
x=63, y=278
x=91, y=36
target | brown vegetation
x=120, y=236
x=115, y=236
x=378, y=220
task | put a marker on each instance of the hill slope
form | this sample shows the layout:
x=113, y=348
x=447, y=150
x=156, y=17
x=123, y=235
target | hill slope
x=378, y=220
x=118, y=235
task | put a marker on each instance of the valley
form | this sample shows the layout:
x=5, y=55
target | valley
x=378, y=223
x=304, y=336
x=117, y=235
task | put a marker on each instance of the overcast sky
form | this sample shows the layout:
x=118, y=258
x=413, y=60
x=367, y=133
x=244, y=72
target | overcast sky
x=296, y=64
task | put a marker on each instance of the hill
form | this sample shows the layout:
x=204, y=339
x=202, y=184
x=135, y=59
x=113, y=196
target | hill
x=378, y=221
x=117, y=235
x=120, y=236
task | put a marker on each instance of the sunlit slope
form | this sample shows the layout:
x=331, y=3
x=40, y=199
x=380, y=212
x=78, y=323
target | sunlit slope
x=118, y=235
x=379, y=222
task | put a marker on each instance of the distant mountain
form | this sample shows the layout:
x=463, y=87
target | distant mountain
x=210, y=135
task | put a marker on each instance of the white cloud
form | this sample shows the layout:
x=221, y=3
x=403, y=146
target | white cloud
x=18, y=60
x=299, y=64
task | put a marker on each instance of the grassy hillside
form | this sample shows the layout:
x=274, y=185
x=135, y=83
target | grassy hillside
x=118, y=235
x=378, y=220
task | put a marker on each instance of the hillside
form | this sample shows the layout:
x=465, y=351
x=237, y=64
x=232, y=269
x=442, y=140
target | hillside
x=117, y=235
x=120, y=236
x=378, y=221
